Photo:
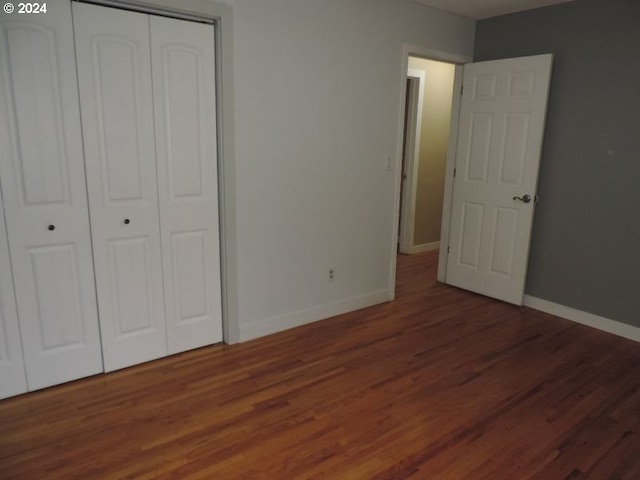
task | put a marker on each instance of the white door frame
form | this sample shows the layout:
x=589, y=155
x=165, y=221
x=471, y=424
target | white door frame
x=220, y=13
x=459, y=61
x=448, y=174
x=413, y=128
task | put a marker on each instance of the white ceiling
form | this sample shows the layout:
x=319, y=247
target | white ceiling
x=479, y=9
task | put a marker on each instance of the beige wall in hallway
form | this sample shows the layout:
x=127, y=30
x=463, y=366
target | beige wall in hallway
x=434, y=138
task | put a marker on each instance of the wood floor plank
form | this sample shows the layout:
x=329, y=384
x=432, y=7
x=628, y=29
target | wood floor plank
x=438, y=384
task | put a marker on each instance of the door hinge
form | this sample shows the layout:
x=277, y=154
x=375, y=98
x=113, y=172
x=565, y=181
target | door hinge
x=461, y=89
x=448, y=249
x=454, y=172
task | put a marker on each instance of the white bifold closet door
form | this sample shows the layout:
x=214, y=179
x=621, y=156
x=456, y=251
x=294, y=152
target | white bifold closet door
x=184, y=90
x=13, y=380
x=149, y=131
x=114, y=73
x=44, y=196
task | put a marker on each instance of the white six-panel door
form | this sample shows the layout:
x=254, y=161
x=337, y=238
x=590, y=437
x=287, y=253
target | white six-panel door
x=13, y=380
x=114, y=73
x=497, y=158
x=44, y=192
x=183, y=60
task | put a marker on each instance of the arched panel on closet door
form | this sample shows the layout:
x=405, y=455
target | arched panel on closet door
x=114, y=72
x=183, y=61
x=44, y=192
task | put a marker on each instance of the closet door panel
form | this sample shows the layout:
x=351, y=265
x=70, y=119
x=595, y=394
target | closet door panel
x=183, y=60
x=114, y=72
x=12, y=375
x=43, y=183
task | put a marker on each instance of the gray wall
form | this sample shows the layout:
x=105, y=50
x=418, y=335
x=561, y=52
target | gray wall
x=585, y=249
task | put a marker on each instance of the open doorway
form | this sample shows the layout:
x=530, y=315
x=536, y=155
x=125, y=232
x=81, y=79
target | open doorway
x=427, y=121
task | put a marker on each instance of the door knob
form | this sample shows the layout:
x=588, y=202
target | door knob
x=524, y=198
x=51, y=227
x=127, y=221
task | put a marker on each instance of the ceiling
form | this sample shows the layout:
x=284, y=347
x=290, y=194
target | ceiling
x=479, y=9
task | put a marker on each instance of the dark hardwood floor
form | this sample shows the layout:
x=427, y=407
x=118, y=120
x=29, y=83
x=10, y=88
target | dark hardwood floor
x=440, y=384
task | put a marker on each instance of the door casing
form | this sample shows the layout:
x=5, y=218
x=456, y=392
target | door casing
x=441, y=56
x=410, y=162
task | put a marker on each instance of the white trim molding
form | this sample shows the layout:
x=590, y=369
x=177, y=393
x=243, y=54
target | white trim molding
x=584, y=318
x=411, y=163
x=447, y=196
x=425, y=247
x=303, y=317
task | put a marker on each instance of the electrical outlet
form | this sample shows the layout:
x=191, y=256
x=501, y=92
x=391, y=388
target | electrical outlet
x=387, y=162
x=332, y=274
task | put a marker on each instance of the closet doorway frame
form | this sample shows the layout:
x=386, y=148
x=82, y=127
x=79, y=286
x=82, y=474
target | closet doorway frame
x=220, y=15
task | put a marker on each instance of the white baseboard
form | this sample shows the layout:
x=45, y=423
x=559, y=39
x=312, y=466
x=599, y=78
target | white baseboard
x=585, y=318
x=425, y=247
x=302, y=317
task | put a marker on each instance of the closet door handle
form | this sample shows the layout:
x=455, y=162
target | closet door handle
x=51, y=227
x=127, y=221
